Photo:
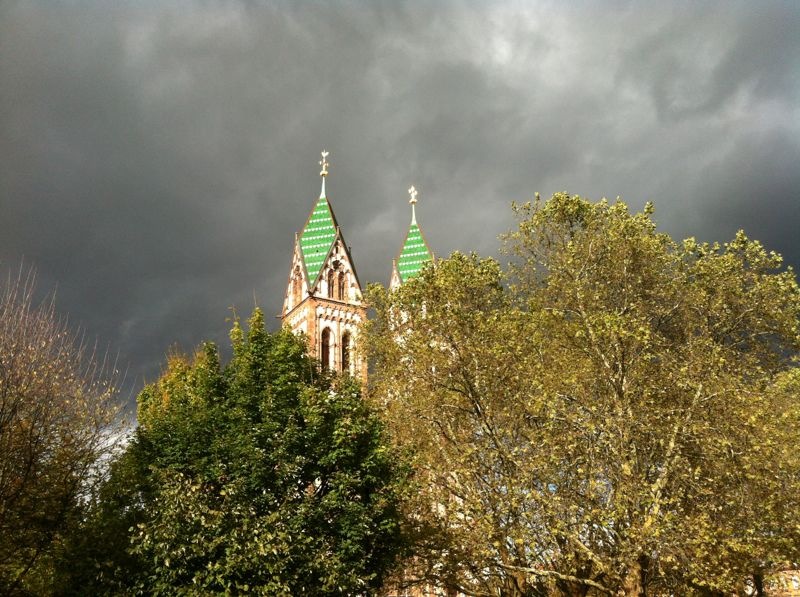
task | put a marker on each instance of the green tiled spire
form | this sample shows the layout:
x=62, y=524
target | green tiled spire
x=319, y=233
x=414, y=255
x=317, y=237
x=415, y=252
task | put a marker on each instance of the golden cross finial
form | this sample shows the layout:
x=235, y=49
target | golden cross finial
x=413, y=193
x=413, y=201
x=324, y=163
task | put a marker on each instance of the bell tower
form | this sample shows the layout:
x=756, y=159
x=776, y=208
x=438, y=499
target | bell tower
x=323, y=295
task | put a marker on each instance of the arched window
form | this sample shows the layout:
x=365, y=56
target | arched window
x=330, y=283
x=342, y=286
x=346, y=352
x=325, y=352
x=297, y=285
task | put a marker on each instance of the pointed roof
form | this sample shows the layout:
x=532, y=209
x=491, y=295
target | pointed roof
x=414, y=255
x=319, y=233
x=317, y=237
x=415, y=252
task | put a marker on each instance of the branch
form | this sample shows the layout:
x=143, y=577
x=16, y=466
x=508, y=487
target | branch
x=657, y=489
x=559, y=576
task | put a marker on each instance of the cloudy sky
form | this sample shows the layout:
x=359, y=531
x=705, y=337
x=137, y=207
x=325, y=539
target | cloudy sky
x=156, y=158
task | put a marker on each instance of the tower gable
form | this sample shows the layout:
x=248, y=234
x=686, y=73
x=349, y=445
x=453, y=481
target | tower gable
x=337, y=279
x=297, y=287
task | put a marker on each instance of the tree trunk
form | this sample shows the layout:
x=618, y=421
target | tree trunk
x=758, y=584
x=635, y=584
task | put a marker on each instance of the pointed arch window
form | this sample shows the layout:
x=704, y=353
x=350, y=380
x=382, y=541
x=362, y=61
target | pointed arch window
x=342, y=286
x=330, y=283
x=297, y=285
x=346, y=346
x=325, y=349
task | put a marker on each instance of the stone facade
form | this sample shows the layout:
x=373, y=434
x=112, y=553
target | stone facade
x=329, y=313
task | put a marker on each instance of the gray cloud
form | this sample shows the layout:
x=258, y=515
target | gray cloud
x=156, y=160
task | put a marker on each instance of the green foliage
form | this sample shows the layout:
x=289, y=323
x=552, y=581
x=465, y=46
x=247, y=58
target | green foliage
x=616, y=413
x=255, y=478
x=95, y=557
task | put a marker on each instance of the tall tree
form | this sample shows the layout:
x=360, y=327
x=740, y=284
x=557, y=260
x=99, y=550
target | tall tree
x=616, y=413
x=56, y=421
x=260, y=477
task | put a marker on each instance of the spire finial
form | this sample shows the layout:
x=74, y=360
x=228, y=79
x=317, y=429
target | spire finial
x=324, y=172
x=413, y=201
x=324, y=163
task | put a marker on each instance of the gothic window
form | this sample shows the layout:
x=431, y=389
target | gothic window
x=325, y=353
x=297, y=285
x=342, y=286
x=346, y=352
x=330, y=283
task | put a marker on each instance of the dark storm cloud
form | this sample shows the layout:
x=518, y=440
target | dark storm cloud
x=156, y=159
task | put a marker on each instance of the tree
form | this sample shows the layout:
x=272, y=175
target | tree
x=616, y=413
x=263, y=477
x=94, y=557
x=57, y=411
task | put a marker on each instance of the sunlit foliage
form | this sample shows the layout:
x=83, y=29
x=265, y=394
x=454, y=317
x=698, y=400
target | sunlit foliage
x=615, y=413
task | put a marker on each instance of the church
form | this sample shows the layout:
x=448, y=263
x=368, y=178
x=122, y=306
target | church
x=323, y=298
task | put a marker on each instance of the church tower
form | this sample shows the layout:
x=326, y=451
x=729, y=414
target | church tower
x=323, y=296
x=415, y=252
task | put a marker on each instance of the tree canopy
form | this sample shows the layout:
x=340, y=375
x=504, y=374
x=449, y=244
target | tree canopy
x=260, y=477
x=57, y=414
x=615, y=412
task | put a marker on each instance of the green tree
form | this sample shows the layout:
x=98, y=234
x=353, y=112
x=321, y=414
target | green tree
x=616, y=413
x=261, y=477
x=57, y=413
